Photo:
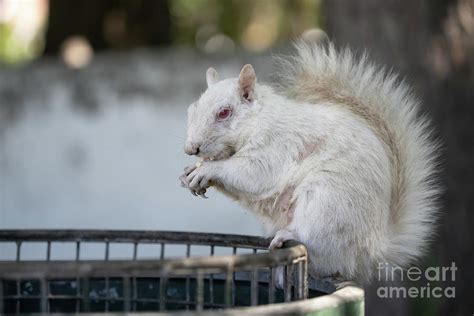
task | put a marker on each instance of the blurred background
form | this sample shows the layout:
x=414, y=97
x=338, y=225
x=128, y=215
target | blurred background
x=93, y=98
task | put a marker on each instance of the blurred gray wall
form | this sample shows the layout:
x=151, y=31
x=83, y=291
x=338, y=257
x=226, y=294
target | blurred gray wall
x=101, y=147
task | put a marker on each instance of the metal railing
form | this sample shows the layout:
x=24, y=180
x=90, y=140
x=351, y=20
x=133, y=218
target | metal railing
x=207, y=281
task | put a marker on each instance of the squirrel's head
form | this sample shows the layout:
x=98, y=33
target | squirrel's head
x=216, y=120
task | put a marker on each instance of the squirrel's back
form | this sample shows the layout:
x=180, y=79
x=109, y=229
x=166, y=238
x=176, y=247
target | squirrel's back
x=320, y=73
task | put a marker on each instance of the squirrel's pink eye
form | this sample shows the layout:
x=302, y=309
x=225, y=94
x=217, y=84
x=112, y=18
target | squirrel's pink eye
x=223, y=114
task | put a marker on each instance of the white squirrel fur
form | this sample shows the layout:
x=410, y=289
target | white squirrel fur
x=337, y=157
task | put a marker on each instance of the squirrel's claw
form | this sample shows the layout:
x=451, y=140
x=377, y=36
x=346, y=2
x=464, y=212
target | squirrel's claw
x=184, y=184
x=195, y=181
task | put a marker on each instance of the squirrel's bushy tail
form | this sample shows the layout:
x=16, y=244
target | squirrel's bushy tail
x=320, y=73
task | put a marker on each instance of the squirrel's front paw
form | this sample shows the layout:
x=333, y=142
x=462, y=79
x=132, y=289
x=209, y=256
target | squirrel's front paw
x=199, y=178
x=185, y=183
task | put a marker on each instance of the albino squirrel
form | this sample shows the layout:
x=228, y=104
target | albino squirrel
x=336, y=158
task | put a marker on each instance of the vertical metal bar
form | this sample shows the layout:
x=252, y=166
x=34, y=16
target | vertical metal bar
x=288, y=282
x=211, y=282
x=78, y=295
x=107, y=297
x=18, y=293
x=107, y=250
x=162, y=293
x=48, y=251
x=188, y=283
x=84, y=287
x=228, y=286
x=305, y=278
x=85, y=295
x=300, y=280
x=188, y=293
x=234, y=252
x=1, y=296
x=254, y=287
x=162, y=254
x=126, y=294
x=199, y=291
x=135, y=250
x=285, y=283
x=78, y=250
x=271, y=286
x=18, y=250
x=44, y=296
x=134, y=294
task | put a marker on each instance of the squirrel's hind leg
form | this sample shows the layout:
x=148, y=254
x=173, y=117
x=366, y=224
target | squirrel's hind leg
x=280, y=237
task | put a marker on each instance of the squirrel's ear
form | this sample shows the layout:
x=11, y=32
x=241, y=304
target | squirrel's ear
x=211, y=76
x=247, y=81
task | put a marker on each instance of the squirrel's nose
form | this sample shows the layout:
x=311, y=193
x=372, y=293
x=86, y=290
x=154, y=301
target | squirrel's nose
x=191, y=148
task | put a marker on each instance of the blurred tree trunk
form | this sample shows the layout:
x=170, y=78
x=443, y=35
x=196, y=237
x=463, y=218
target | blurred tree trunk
x=431, y=43
x=70, y=18
x=109, y=24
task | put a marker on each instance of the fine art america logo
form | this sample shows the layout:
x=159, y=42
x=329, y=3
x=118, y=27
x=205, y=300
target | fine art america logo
x=429, y=281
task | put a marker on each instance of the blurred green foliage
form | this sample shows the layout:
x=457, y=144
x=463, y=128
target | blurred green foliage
x=13, y=50
x=244, y=21
x=210, y=25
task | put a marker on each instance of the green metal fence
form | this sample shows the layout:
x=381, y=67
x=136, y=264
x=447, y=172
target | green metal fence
x=247, y=279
